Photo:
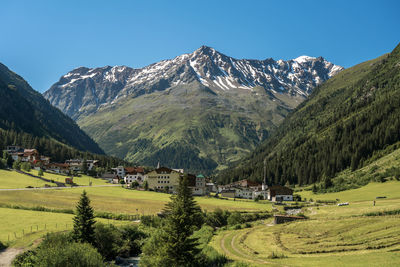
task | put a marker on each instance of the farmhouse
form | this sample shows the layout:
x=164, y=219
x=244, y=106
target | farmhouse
x=77, y=164
x=58, y=168
x=134, y=174
x=30, y=155
x=244, y=192
x=279, y=193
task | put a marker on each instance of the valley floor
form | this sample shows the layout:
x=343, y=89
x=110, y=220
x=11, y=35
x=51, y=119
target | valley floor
x=333, y=235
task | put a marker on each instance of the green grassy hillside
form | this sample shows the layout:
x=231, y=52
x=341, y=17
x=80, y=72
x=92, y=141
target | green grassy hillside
x=187, y=126
x=343, y=123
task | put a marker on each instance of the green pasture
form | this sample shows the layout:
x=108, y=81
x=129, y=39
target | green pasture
x=13, y=179
x=117, y=200
x=21, y=227
x=83, y=180
x=390, y=189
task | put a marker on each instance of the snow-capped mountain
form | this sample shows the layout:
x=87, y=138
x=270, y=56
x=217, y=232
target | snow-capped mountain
x=85, y=90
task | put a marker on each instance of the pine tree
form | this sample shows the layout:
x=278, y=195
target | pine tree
x=84, y=220
x=177, y=247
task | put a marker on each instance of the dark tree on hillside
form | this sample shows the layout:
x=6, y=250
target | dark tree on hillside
x=84, y=221
x=177, y=246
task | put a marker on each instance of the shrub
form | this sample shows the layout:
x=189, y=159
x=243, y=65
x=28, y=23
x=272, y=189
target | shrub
x=276, y=255
x=150, y=221
x=59, y=250
x=218, y=218
x=107, y=240
x=235, y=218
x=17, y=165
x=133, y=240
x=26, y=166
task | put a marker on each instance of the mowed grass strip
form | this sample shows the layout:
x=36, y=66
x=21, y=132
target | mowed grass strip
x=22, y=226
x=13, y=179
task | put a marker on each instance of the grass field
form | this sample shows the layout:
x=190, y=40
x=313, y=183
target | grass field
x=83, y=180
x=117, y=200
x=333, y=236
x=21, y=227
x=390, y=189
x=12, y=179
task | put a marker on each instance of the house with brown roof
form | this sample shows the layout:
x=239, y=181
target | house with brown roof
x=133, y=174
x=163, y=178
x=30, y=155
x=279, y=193
x=58, y=167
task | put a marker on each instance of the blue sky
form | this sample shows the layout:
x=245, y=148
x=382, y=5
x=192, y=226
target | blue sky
x=43, y=40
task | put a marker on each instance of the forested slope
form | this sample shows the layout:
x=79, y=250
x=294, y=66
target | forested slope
x=22, y=109
x=343, y=123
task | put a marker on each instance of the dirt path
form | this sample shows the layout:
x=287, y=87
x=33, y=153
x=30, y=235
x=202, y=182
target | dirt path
x=7, y=256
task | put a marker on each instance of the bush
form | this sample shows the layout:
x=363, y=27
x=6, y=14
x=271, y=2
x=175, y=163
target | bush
x=133, y=240
x=26, y=166
x=59, y=250
x=150, y=221
x=111, y=242
x=276, y=255
x=235, y=218
x=17, y=165
x=218, y=218
x=107, y=240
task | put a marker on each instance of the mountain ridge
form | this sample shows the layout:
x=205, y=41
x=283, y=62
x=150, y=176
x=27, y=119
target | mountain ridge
x=206, y=65
x=205, y=105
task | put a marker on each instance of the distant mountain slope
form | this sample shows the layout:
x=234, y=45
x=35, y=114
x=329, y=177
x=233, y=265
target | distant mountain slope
x=197, y=111
x=346, y=121
x=24, y=110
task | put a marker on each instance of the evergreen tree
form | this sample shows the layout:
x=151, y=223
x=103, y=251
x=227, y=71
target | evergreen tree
x=84, y=220
x=177, y=247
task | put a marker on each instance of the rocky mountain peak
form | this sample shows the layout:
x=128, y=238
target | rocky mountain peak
x=93, y=87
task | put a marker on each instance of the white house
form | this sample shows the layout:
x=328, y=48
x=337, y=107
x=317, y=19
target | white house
x=279, y=193
x=120, y=171
x=134, y=174
x=244, y=192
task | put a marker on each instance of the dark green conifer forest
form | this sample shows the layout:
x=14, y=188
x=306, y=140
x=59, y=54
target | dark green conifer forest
x=343, y=123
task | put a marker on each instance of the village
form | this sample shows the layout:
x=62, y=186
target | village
x=159, y=179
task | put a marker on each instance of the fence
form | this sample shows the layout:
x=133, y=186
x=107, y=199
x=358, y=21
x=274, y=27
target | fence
x=44, y=228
